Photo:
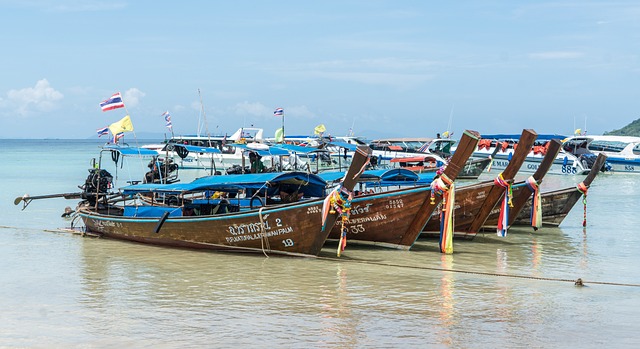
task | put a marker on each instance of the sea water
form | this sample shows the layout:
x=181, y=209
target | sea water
x=59, y=290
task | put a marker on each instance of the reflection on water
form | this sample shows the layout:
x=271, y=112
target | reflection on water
x=60, y=290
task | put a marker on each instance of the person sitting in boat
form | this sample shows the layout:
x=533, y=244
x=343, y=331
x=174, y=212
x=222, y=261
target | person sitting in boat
x=256, y=163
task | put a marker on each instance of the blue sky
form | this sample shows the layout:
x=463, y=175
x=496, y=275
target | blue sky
x=385, y=68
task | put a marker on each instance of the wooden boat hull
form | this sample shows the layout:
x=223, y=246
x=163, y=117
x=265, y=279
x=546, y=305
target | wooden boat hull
x=556, y=205
x=469, y=201
x=392, y=219
x=396, y=218
x=492, y=220
x=292, y=229
x=475, y=202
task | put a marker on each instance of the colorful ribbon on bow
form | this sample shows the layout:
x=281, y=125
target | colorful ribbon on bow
x=536, y=203
x=338, y=201
x=444, y=186
x=503, y=219
x=583, y=189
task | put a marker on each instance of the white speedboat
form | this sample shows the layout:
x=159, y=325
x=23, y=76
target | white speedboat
x=623, y=152
x=564, y=164
x=200, y=152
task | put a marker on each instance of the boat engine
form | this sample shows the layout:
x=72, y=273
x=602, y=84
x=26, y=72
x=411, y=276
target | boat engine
x=161, y=171
x=96, y=185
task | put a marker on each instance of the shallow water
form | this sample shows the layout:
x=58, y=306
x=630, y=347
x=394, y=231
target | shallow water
x=64, y=290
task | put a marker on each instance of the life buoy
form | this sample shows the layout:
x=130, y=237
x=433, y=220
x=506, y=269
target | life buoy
x=182, y=152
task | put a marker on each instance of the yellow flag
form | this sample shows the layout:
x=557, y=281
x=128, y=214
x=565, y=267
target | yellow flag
x=445, y=134
x=124, y=125
x=577, y=132
x=319, y=129
x=279, y=136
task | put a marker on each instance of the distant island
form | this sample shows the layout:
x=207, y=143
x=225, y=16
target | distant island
x=633, y=129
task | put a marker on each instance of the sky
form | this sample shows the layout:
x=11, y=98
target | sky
x=373, y=68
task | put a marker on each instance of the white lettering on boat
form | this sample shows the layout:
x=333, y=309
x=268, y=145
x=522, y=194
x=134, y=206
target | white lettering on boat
x=313, y=209
x=395, y=203
x=257, y=236
x=359, y=209
x=376, y=217
x=103, y=224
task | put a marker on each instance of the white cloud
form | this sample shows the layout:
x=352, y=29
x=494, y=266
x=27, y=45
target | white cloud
x=300, y=112
x=255, y=108
x=132, y=97
x=556, y=55
x=42, y=97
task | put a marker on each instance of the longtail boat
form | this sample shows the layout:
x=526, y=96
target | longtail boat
x=395, y=218
x=296, y=227
x=474, y=203
x=523, y=191
x=557, y=204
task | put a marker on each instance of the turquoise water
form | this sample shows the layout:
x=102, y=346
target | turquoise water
x=63, y=290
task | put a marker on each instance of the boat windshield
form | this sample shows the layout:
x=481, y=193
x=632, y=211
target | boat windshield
x=609, y=146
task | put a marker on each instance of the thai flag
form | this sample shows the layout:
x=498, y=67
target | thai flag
x=103, y=131
x=167, y=118
x=278, y=112
x=117, y=136
x=114, y=102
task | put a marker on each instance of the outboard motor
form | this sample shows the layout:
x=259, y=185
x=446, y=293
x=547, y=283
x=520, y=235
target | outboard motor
x=96, y=185
x=161, y=171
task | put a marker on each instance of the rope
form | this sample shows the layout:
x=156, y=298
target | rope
x=577, y=282
x=369, y=262
x=264, y=240
x=583, y=189
x=503, y=219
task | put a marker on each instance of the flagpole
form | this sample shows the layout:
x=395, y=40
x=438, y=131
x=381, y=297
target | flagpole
x=283, y=127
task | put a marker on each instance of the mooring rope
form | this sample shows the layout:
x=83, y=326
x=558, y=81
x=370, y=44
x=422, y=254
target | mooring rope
x=577, y=282
x=264, y=240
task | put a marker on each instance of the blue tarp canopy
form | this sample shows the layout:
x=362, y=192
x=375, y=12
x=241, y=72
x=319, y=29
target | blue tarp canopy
x=299, y=149
x=331, y=176
x=426, y=178
x=130, y=151
x=268, y=151
x=394, y=174
x=348, y=146
x=383, y=177
x=309, y=184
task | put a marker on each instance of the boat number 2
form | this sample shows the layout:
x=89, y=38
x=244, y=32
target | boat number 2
x=287, y=242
